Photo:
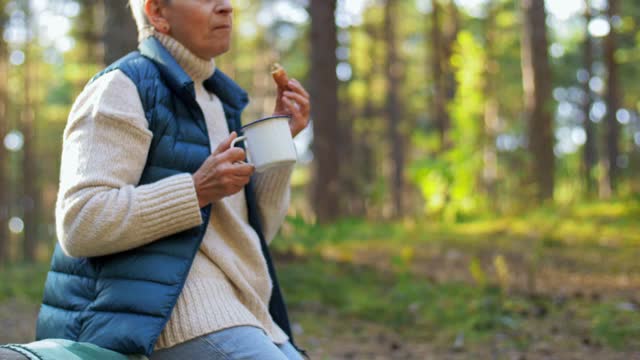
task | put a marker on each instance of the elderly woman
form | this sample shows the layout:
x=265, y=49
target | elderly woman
x=162, y=227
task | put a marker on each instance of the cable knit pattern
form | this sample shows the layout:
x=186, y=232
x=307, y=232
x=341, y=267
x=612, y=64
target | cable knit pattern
x=198, y=69
x=97, y=195
x=229, y=277
x=228, y=284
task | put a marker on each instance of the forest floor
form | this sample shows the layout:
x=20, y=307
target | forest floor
x=554, y=284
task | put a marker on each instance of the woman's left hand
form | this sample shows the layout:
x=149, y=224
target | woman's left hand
x=295, y=103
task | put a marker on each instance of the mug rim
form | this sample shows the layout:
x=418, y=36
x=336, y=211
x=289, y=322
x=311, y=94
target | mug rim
x=265, y=119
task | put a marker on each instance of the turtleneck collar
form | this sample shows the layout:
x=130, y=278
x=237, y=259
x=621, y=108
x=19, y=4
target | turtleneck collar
x=197, y=68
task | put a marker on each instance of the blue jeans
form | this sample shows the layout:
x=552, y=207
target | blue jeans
x=236, y=343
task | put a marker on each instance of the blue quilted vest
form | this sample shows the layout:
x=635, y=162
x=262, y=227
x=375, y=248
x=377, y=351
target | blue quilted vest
x=123, y=301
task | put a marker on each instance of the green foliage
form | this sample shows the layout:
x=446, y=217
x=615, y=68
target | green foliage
x=616, y=326
x=383, y=272
x=477, y=273
x=23, y=281
x=448, y=181
x=407, y=303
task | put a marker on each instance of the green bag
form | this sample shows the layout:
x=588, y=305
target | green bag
x=60, y=349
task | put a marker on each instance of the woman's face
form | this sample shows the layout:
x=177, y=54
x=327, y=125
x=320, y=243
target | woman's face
x=202, y=26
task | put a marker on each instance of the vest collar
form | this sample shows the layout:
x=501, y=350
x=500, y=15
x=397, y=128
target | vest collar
x=220, y=84
x=227, y=90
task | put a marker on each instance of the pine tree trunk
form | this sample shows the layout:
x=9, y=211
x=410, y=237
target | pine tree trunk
x=537, y=97
x=120, y=32
x=31, y=198
x=89, y=30
x=491, y=107
x=364, y=141
x=4, y=128
x=439, y=103
x=450, y=36
x=613, y=104
x=348, y=170
x=590, y=149
x=394, y=112
x=324, y=91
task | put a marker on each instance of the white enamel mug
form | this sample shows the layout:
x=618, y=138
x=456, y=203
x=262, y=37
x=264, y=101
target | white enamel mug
x=269, y=143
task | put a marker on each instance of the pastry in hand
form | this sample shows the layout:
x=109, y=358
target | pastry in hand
x=280, y=76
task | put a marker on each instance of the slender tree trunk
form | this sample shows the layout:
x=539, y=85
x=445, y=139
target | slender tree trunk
x=364, y=141
x=4, y=128
x=263, y=87
x=324, y=88
x=438, y=73
x=451, y=30
x=634, y=156
x=613, y=104
x=537, y=96
x=348, y=174
x=590, y=149
x=90, y=29
x=31, y=198
x=119, y=30
x=491, y=107
x=394, y=114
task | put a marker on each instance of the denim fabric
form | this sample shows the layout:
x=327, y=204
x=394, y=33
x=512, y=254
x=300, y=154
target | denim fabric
x=236, y=343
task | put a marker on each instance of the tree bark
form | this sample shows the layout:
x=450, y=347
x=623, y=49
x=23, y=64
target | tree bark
x=324, y=90
x=590, y=150
x=491, y=107
x=31, y=198
x=119, y=30
x=439, y=112
x=4, y=128
x=365, y=139
x=89, y=30
x=394, y=108
x=450, y=34
x=613, y=104
x=537, y=97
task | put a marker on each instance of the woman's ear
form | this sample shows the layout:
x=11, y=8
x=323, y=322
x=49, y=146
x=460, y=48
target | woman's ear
x=154, y=11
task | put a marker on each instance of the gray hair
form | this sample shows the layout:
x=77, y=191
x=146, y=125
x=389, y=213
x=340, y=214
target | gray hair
x=145, y=29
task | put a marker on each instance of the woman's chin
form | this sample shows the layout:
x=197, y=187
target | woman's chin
x=217, y=50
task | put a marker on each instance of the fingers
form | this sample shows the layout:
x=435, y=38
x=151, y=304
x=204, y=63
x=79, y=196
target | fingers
x=297, y=100
x=300, y=99
x=233, y=177
x=293, y=108
x=297, y=87
x=242, y=169
x=237, y=177
x=241, y=181
x=225, y=144
x=234, y=162
x=234, y=185
x=231, y=155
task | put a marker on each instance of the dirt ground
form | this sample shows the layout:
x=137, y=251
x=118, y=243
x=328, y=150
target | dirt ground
x=17, y=321
x=354, y=339
x=337, y=338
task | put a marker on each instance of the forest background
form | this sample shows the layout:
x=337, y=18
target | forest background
x=468, y=188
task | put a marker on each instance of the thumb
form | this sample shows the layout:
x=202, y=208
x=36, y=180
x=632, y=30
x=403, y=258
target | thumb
x=225, y=144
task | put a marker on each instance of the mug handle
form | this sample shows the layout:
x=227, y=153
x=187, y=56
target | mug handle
x=237, y=140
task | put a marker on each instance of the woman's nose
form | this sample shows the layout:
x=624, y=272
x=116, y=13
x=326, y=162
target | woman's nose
x=224, y=8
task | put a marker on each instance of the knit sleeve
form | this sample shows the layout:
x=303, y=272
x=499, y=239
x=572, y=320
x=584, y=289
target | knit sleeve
x=100, y=209
x=273, y=192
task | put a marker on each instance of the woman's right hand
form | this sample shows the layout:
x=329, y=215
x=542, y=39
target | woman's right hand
x=224, y=173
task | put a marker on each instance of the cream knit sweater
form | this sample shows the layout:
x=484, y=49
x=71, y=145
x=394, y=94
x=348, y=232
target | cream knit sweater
x=101, y=210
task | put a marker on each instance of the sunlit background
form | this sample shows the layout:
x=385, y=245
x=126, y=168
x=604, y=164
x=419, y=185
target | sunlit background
x=446, y=224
